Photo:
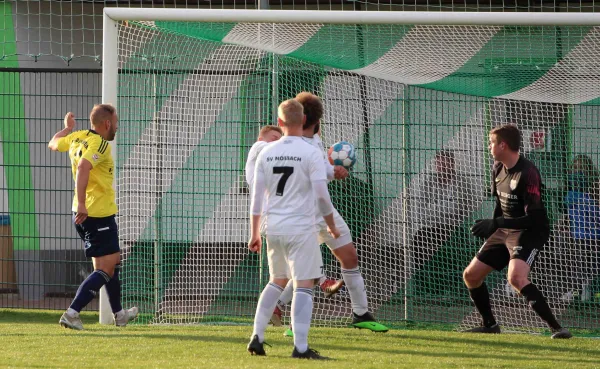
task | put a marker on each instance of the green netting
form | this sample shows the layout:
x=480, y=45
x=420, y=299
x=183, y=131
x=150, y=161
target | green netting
x=202, y=99
x=68, y=35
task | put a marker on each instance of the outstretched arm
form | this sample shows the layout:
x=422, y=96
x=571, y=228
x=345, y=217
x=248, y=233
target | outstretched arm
x=69, y=125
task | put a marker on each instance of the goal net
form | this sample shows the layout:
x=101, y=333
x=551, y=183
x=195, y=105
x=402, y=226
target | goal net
x=417, y=102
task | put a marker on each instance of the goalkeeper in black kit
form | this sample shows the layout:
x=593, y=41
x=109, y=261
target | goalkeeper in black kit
x=515, y=235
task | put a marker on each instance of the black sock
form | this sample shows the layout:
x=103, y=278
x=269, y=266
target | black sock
x=481, y=298
x=538, y=303
x=89, y=289
x=113, y=289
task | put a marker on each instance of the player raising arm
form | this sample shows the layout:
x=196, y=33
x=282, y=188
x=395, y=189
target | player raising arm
x=94, y=210
x=343, y=247
x=515, y=235
x=267, y=135
x=290, y=174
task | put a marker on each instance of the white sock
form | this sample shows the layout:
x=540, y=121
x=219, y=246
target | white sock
x=72, y=313
x=302, y=306
x=264, y=310
x=356, y=288
x=286, y=295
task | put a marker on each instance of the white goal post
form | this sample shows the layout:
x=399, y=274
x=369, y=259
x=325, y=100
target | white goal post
x=112, y=17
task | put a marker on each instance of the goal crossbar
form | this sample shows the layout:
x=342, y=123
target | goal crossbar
x=346, y=17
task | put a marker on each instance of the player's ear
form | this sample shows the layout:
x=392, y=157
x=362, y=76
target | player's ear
x=279, y=122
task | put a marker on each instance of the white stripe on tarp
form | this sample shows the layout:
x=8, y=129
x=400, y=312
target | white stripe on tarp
x=199, y=100
x=573, y=80
x=427, y=54
x=276, y=38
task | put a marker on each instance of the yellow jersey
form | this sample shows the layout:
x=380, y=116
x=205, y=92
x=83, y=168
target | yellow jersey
x=99, y=194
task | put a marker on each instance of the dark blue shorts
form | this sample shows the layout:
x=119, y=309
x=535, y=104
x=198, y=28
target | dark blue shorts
x=99, y=235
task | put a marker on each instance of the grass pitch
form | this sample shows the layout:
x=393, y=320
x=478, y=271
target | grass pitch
x=33, y=339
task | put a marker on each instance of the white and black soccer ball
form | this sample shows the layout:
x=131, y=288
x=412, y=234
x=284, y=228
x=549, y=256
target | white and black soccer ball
x=342, y=153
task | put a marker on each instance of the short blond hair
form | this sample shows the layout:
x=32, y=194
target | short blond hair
x=266, y=129
x=291, y=112
x=101, y=113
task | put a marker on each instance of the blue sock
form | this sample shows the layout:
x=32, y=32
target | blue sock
x=88, y=289
x=113, y=289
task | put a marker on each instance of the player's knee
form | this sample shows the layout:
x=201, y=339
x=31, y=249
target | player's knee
x=350, y=260
x=281, y=282
x=471, y=278
x=518, y=281
x=347, y=256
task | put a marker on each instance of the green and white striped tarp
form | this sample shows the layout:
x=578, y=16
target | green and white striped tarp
x=192, y=97
x=545, y=64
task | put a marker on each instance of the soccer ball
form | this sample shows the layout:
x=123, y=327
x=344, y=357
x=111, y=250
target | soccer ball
x=342, y=153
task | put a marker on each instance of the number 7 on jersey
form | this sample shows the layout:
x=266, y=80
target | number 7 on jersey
x=287, y=172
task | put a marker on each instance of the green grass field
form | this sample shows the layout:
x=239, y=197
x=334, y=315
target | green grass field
x=33, y=339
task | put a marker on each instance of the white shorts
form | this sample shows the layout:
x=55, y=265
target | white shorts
x=300, y=252
x=334, y=243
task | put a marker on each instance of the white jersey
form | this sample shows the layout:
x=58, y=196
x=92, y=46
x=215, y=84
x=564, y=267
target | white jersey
x=289, y=167
x=316, y=142
x=251, y=162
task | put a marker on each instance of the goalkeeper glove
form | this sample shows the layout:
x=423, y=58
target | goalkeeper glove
x=484, y=227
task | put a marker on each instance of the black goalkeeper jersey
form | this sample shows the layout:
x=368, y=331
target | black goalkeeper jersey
x=518, y=192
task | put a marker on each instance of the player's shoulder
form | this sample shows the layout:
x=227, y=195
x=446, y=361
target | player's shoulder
x=287, y=145
x=527, y=164
x=265, y=147
x=259, y=145
x=528, y=167
x=100, y=143
x=308, y=140
x=262, y=150
x=256, y=149
x=496, y=167
x=309, y=147
x=81, y=134
x=92, y=137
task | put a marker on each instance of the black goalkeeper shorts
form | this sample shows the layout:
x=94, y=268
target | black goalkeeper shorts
x=507, y=244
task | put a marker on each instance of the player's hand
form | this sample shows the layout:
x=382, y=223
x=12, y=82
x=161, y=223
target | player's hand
x=334, y=232
x=339, y=172
x=82, y=214
x=70, y=121
x=255, y=244
x=484, y=228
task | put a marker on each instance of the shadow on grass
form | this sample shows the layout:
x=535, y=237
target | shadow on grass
x=40, y=316
x=446, y=351
x=517, y=346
